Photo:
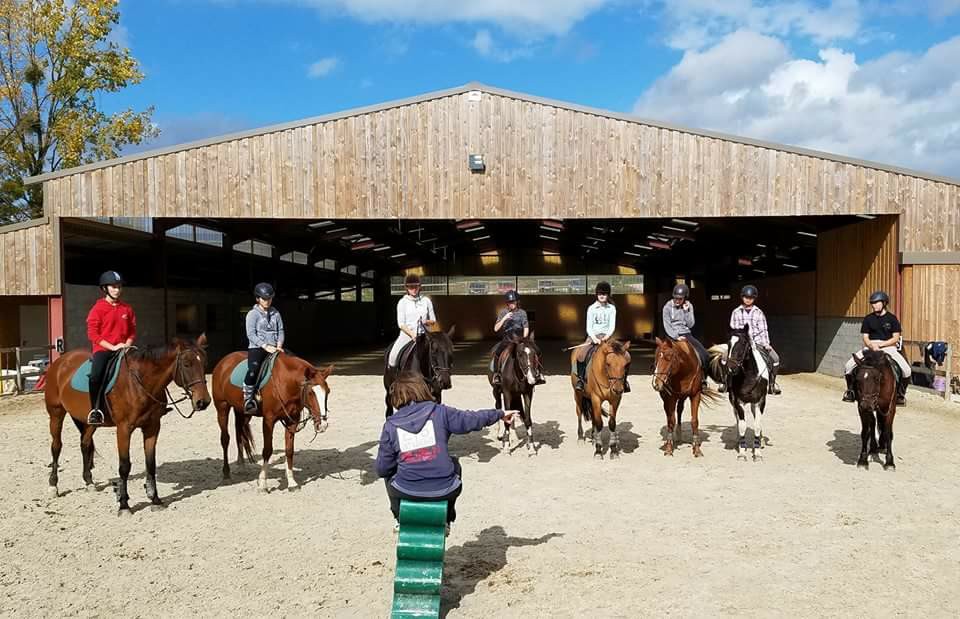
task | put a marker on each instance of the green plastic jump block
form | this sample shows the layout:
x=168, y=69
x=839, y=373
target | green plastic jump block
x=420, y=546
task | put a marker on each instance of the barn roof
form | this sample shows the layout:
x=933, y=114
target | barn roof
x=476, y=86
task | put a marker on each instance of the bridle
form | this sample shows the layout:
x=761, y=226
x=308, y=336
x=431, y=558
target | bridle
x=523, y=361
x=664, y=381
x=304, y=402
x=611, y=380
x=178, y=379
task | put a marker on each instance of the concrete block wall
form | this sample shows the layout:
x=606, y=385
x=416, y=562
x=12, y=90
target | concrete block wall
x=837, y=339
x=792, y=337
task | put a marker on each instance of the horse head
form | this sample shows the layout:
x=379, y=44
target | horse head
x=439, y=356
x=664, y=363
x=869, y=377
x=190, y=371
x=528, y=356
x=316, y=394
x=615, y=356
x=739, y=349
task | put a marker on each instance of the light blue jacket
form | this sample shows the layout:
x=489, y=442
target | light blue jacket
x=601, y=319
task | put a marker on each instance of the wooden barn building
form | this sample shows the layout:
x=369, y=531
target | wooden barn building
x=482, y=190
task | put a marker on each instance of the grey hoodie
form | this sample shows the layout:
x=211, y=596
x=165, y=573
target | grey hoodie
x=676, y=320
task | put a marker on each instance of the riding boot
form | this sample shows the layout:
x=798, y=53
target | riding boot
x=850, y=394
x=772, y=387
x=249, y=403
x=902, y=391
x=581, y=373
x=722, y=388
x=626, y=385
x=540, y=380
x=95, y=417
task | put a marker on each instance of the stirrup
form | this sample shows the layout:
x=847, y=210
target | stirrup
x=95, y=417
x=849, y=396
x=496, y=378
x=250, y=406
x=580, y=385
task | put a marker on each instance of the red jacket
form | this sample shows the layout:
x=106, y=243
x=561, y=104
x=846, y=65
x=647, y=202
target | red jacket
x=114, y=323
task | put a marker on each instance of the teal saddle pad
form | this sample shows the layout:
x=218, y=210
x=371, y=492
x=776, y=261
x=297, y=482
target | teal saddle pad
x=240, y=372
x=81, y=378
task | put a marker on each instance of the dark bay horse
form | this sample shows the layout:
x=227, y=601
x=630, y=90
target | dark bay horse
x=293, y=386
x=605, y=377
x=430, y=355
x=677, y=377
x=745, y=372
x=877, y=402
x=519, y=371
x=138, y=400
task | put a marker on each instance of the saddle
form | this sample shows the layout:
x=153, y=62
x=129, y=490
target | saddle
x=80, y=381
x=403, y=357
x=497, y=362
x=266, y=371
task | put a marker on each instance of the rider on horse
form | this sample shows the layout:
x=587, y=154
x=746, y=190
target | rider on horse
x=749, y=314
x=678, y=319
x=265, y=336
x=601, y=323
x=880, y=331
x=111, y=327
x=414, y=314
x=511, y=322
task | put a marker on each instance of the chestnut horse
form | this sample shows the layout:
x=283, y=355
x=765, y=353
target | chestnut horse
x=137, y=400
x=605, y=377
x=877, y=401
x=677, y=377
x=293, y=386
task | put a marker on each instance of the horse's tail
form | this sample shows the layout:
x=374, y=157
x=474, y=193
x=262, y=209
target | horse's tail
x=245, y=435
x=710, y=397
x=715, y=368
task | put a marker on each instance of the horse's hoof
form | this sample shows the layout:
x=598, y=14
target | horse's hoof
x=53, y=492
x=742, y=457
x=890, y=467
x=863, y=465
x=124, y=512
x=758, y=457
x=697, y=453
x=293, y=488
x=157, y=507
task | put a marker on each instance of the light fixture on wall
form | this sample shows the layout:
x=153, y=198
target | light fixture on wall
x=476, y=164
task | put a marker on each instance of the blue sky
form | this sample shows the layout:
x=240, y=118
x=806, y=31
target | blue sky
x=879, y=80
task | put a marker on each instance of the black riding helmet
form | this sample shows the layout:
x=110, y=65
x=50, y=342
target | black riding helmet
x=512, y=296
x=263, y=290
x=603, y=288
x=880, y=296
x=750, y=291
x=110, y=278
x=681, y=291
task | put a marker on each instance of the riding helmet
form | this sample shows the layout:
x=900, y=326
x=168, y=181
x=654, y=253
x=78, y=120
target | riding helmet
x=110, y=278
x=681, y=291
x=512, y=296
x=263, y=290
x=880, y=296
x=603, y=288
x=750, y=291
x=412, y=279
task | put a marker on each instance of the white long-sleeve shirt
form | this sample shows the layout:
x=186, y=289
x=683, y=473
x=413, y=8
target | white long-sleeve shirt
x=601, y=319
x=411, y=311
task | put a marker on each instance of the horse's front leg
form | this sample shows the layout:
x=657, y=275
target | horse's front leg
x=288, y=439
x=757, y=432
x=740, y=416
x=532, y=446
x=267, y=452
x=889, y=464
x=505, y=437
x=612, y=424
x=150, y=435
x=669, y=409
x=866, y=435
x=597, y=426
x=123, y=454
x=695, y=424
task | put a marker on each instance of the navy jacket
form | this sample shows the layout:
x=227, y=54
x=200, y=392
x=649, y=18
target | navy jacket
x=413, y=446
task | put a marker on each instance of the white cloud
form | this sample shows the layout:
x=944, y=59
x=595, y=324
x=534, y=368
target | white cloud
x=693, y=24
x=901, y=108
x=485, y=45
x=537, y=17
x=323, y=67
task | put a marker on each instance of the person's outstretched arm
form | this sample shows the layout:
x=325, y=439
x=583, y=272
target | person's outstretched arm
x=464, y=422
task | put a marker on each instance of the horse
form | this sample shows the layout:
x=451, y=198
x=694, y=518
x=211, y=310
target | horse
x=137, y=400
x=430, y=355
x=605, y=378
x=739, y=365
x=293, y=386
x=520, y=364
x=877, y=403
x=677, y=377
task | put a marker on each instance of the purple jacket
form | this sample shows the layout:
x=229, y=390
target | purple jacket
x=413, y=446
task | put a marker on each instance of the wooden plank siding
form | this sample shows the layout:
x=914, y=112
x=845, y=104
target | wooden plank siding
x=30, y=258
x=931, y=295
x=852, y=262
x=542, y=161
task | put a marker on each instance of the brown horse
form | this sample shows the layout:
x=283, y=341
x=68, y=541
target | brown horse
x=138, y=400
x=877, y=401
x=293, y=386
x=677, y=376
x=521, y=366
x=605, y=378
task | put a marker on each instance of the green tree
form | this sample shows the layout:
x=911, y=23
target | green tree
x=56, y=57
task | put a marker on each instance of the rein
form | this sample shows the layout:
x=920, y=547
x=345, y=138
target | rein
x=303, y=401
x=665, y=381
x=611, y=380
x=177, y=379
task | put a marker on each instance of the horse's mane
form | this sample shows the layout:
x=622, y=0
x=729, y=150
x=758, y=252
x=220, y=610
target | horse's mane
x=876, y=359
x=151, y=354
x=616, y=347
